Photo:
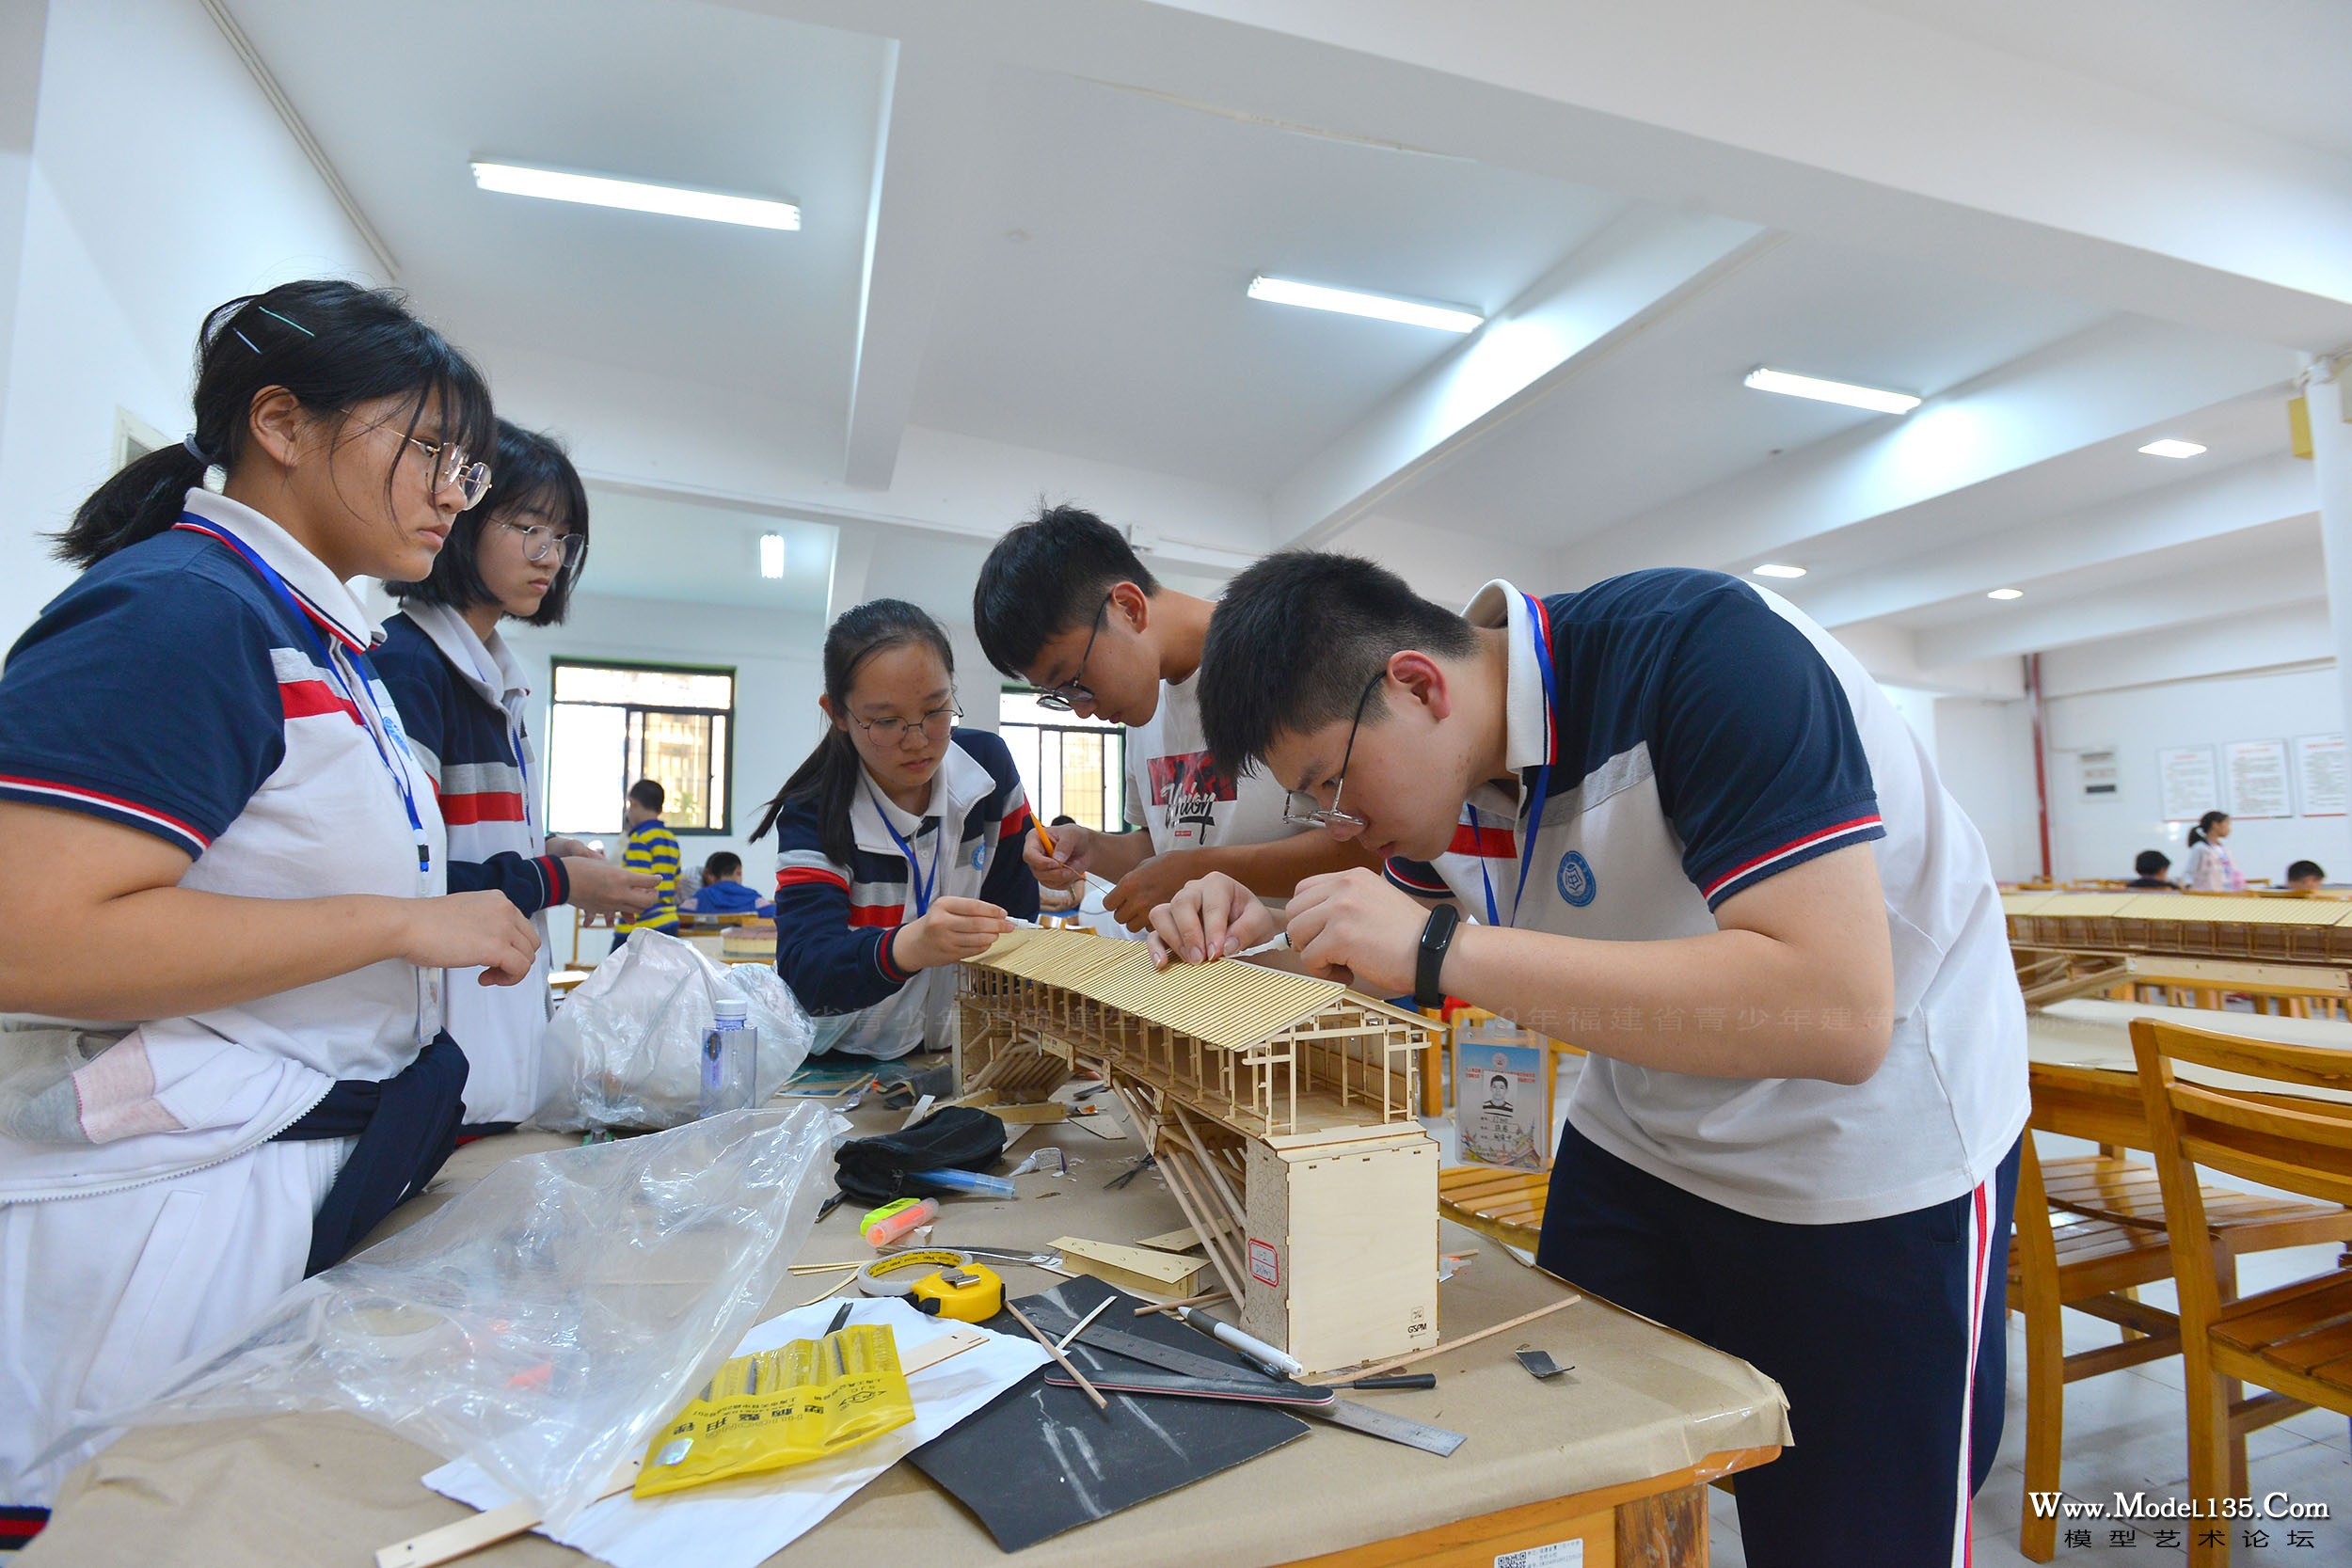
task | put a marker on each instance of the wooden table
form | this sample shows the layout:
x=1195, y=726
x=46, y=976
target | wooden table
x=1615, y=1454
x=2085, y=1081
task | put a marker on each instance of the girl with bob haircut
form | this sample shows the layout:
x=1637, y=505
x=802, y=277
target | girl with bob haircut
x=462, y=694
x=223, y=1058
x=898, y=841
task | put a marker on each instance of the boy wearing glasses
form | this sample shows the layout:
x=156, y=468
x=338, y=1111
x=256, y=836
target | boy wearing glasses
x=1064, y=604
x=1697, y=840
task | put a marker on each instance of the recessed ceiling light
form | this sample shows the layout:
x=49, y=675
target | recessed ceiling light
x=2006, y=593
x=598, y=190
x=771, y=555
x=1348, y=302
x=1771, y=569
x=1878, y=400
x=2169, y=448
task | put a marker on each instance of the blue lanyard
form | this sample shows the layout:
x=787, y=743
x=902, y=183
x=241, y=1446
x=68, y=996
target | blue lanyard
x=1539, y=789
x=1493, y=918
x=363, y=700
x=920, y=884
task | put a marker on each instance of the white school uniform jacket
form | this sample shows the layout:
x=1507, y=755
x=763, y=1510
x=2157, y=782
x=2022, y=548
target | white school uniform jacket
x=144, y=1212
x=1702, y=735
x=835, y=923
x=463, y=701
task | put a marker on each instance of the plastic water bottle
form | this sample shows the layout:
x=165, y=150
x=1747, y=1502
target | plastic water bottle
x=729, y=1052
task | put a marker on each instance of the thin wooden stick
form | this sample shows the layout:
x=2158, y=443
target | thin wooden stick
x=1181, y=1184
x=822, y=1268
x=1051, y=1348
x=838, y=1285
x=1149, y=1129
x=1233, y=1205
x=1201, y=1300
x=1387, y=1367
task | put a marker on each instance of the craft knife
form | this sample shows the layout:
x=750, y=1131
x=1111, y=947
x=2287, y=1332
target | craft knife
x=1358, y=1418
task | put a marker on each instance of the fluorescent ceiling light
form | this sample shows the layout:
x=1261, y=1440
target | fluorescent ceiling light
x=771, y=555
x=1771, y=569
x=1877, y=399
x=1411, y=312
x=597, y=190
x=2006, y=593
x=2169, y=448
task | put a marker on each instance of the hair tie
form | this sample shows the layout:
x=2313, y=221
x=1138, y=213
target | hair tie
x=194, y=450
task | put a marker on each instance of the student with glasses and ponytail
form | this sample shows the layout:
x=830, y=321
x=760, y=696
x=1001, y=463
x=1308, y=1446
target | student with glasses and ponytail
x=898, y=841
x=462, y=694
x=222, y=1057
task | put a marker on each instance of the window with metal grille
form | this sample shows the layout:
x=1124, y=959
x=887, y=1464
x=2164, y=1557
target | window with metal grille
x=614, y=724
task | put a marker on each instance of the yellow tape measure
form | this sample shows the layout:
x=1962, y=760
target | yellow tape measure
x=937, y=1281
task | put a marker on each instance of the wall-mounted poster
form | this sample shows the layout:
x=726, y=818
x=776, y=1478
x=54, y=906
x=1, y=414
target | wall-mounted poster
x=2319, y=773
x=2257, y=772
x=2095, y=767
x=2187, y=782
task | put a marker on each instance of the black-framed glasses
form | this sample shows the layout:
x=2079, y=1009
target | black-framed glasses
x=935, y=725
x=452, y=465
x=1066, y=697
x=540, y=540
x=1313, y=815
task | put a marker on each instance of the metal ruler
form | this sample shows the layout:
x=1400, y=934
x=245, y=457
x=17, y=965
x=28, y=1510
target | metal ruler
x=1346, y=1413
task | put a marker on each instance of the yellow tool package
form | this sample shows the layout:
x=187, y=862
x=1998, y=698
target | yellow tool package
x=803, y=1401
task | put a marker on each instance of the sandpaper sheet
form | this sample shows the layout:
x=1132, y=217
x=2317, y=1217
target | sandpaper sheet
x=1041, y=1460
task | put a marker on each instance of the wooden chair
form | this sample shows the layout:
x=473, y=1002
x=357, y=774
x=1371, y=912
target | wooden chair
x=2295, y=1341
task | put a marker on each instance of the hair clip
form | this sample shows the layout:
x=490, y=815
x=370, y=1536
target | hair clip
x=288, y=320
x=247, y=341
x=194, y=450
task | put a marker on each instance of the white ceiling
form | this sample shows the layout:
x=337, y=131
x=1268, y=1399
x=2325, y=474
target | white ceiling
x=1054, y=267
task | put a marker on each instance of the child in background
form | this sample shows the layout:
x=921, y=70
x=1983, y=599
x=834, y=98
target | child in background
x=2148, y=872
x=2305, y=876
x=723, y=891
x=2209, y=868
x=652, y=849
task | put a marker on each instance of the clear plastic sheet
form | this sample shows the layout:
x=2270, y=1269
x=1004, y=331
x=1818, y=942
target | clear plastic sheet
x=547, y=1321
x=625, y=1048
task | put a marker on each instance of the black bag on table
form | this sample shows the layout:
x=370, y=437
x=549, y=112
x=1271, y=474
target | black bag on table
x=955, y=1137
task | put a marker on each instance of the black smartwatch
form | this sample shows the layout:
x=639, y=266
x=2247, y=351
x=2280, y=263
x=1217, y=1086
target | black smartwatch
x=1435, y=938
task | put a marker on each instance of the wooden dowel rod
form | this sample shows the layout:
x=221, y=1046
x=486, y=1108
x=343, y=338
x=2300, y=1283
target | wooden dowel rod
x=1387, y=1367
x=1233, y=1205
x=1201, y=1300
x=1180, y=1183
x=1054, y=1351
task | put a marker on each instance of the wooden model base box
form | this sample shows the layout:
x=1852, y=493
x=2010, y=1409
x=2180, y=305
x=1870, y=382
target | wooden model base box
x=1342, y=1248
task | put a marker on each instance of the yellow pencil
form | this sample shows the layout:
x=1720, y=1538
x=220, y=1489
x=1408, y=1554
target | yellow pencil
x=1042, y=836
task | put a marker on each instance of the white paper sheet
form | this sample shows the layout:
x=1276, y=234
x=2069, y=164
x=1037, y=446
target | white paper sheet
x=736, y=1524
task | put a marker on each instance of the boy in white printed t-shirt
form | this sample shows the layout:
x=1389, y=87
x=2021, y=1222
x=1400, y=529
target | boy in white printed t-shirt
x=1698, y=841
x=1064, y=604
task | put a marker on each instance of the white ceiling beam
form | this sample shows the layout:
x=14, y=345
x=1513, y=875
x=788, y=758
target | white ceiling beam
x=2245, y=587
x=1815, y=116
x=2285, y=637
x=1891, y=655
x=1622, y=279
x=923, y=162
x=2111, y=381
x=2228, y=500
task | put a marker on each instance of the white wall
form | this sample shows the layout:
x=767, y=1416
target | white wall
x=160, y=183
x=2099, y=839
x=1984, y=752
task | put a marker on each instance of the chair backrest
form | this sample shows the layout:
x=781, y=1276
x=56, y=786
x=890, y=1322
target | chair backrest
x=2303, y=1145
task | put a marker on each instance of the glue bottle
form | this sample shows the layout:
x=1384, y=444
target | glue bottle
x=729, y=1051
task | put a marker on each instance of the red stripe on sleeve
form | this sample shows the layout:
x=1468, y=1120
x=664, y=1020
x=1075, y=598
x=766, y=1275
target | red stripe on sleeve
x=801, y=874
x=309, y=699
x=488, y=806
x=876, y=914
x=1494, y=843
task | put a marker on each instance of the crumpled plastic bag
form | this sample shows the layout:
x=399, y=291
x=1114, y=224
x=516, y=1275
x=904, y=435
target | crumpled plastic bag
x=545, y=1322
x=625, y=1048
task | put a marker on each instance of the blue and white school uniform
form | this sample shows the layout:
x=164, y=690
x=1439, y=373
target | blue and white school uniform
x=210, y=686
x=1679, y=737
x=835, y=923
x=463, y=702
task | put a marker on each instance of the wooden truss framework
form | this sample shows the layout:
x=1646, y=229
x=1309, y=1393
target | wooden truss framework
x=1240, y=1044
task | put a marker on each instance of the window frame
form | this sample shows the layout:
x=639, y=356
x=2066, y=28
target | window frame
x=725, y=769
x=1121, y=732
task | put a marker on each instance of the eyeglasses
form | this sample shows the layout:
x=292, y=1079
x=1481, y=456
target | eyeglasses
x=1062, y=698
x=540, y=540
x=934, y=725
x=451, y=466
x=1312, y=815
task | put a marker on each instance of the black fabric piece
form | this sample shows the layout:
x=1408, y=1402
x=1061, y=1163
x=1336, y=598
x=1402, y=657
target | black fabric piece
x=407, y=1127
x=955, y=1137
x=1041, y=1458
